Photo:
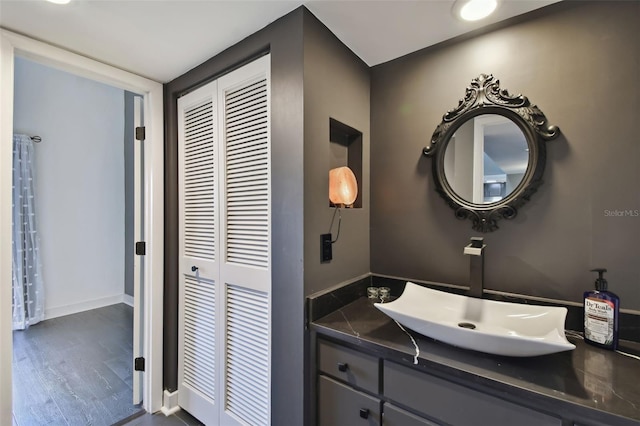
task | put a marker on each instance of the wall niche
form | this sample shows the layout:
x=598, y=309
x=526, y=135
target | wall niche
x=345, y=149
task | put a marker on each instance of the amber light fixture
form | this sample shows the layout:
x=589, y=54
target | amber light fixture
x=343, y=187
x=343, y=191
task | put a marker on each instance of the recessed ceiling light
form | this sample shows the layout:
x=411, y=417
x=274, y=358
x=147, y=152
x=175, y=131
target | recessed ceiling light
x=474, y=10
x=59, y=1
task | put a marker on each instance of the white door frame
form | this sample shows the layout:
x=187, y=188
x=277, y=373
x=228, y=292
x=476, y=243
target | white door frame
x=138, y=235
x=12, y=44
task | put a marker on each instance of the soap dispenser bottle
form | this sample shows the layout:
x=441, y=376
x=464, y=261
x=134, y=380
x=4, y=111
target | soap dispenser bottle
x=601, y=314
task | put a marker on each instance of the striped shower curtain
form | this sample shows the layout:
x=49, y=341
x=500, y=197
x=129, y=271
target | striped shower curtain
x=28, y=292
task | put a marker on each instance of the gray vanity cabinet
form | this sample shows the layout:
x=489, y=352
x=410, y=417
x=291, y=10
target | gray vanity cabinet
x=355, y=388
x=343, y=404
x=455, y=404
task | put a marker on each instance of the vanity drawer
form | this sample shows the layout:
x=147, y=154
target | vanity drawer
x=353, y=367
x=456, y=404
x=394, y=416
x=340, y=405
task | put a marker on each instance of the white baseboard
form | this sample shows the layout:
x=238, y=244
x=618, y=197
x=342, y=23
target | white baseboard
x=169, y=403
x=128, y=300
x=75, y=308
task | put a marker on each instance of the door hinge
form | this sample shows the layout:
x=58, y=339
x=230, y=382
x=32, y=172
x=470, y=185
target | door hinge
x=140, y=133
x=141, y=248
x=138, y=364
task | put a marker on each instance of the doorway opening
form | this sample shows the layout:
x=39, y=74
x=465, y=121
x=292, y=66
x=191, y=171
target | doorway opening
x=151, y=264
x=75, y=364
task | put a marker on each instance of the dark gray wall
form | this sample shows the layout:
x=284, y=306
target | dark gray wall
x=283, y=39
x=579, y=62
x=336, y=85
x=129, y=242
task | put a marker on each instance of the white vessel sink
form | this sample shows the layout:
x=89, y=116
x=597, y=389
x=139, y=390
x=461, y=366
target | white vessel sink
x=500, y=328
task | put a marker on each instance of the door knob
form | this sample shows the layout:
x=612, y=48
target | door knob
x=194, y=268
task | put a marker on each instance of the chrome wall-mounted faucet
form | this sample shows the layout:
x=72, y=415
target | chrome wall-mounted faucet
x=476, y=272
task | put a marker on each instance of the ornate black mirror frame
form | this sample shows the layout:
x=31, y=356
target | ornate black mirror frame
x=484, y=96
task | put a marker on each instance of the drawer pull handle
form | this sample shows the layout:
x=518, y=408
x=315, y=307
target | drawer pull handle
x=343, y=366
x=364, y=413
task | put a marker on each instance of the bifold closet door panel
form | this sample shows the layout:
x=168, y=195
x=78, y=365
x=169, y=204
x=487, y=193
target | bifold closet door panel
x=245, y=266
x=199, y=271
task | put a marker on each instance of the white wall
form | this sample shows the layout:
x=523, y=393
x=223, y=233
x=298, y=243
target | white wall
x=462, y=161
x=79, y=184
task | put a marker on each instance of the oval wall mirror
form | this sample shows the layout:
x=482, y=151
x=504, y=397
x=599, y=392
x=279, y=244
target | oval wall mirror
x=489, y=153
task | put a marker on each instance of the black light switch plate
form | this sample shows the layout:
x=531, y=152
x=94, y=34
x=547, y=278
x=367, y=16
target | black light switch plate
x=325, y=248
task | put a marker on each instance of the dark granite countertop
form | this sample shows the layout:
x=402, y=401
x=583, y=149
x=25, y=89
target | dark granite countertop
x=588, y=382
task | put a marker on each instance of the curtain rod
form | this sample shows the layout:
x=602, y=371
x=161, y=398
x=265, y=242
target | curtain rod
x=36, y=139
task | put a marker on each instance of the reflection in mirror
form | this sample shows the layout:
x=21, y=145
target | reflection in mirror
x=486, y=159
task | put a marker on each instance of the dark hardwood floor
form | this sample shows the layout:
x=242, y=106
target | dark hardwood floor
x=181, y=418
x=75, y=370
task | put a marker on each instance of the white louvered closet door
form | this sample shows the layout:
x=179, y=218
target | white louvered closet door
x=199, y=270
x=245, y=263
x=225, y=236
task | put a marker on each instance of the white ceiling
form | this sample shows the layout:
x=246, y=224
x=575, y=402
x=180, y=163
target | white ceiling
x=162, y=40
